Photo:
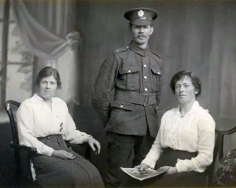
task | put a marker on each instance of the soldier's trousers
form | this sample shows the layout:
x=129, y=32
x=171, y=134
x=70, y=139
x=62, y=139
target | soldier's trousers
x=124, y=151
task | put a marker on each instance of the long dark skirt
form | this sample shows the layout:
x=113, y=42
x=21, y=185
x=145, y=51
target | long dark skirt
x=55, y=172
x=183, y=179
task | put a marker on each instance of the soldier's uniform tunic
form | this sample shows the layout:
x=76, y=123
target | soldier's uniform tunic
x=126, y=96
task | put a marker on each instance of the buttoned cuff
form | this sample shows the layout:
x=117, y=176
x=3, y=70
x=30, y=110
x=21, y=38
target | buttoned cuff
x=49, y=151
x=85, y=138
x=180, y=167
x=149, y=163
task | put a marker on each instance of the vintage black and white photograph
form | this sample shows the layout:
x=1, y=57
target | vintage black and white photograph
x=90, y=86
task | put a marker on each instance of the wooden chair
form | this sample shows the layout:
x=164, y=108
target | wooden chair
x=11, y=107
x=218, y=153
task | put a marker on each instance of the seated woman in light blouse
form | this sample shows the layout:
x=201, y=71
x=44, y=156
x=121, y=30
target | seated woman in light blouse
x=185, y=140
x=44, y=123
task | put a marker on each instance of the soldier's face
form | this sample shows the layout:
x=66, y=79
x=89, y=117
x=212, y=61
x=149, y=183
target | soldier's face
x=141, y=34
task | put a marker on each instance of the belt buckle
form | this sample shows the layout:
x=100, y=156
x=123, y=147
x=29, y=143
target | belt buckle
x=145, y=99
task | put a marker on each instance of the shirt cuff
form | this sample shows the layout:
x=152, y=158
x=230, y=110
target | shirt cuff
x=179, y=167
x=149, y=163
x=49, y=151
x=85, y=138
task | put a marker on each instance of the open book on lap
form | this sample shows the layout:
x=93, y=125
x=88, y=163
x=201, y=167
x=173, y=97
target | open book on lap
x=148, y=173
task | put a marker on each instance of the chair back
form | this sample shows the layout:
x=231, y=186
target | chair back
x=11, y=108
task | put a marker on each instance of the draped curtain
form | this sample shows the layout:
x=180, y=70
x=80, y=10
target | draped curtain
x=48, y=31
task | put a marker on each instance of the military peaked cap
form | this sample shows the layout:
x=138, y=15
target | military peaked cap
x=141, y=16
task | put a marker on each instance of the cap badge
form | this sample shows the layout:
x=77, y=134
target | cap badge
x=140, y=13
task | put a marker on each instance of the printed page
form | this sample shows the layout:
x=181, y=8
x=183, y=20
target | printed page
x=148, y=173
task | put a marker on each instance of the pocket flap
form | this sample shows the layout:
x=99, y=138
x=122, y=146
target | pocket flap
x=156, y=69
x=129, y=69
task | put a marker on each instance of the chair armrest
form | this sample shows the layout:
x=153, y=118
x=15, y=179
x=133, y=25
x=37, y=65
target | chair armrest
x=84, y=146
x=22, y=147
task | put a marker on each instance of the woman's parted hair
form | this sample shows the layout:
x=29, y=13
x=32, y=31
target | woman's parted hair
x=49, y=71
x=195, y=81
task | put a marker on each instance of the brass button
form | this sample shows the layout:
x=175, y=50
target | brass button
x=121, y=106
x=129, y=70
x=145, y=77
x=145, y=89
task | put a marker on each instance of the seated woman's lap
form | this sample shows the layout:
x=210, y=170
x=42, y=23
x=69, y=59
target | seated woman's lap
x=53, y=171
x=169, y=158
x=182, y=179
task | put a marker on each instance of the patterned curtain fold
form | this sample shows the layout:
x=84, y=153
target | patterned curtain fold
x=47, y=29
x=42, y=42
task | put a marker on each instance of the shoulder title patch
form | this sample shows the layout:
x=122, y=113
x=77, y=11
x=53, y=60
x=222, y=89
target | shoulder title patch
x=122, y=49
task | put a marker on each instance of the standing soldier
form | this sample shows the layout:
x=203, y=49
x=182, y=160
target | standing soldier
x=126, y=95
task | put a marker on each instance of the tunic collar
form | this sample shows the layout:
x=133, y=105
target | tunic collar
x=135, y=48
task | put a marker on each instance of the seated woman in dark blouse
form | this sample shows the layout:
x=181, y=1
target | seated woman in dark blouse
x=185, y=140
x=44, y=123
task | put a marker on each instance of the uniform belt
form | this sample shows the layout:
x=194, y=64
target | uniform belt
x=144, y=99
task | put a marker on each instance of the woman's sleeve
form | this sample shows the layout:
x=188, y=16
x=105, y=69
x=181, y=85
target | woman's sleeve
x=206, y=142
x=25, y=125
x=72, y=135
x=156, y=149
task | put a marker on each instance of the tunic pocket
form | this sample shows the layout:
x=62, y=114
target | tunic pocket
x=156, y=76
x=129, y=77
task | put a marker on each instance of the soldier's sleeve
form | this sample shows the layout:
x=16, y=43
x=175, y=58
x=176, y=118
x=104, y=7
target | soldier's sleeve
x=103, y=86
x=158, y=94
